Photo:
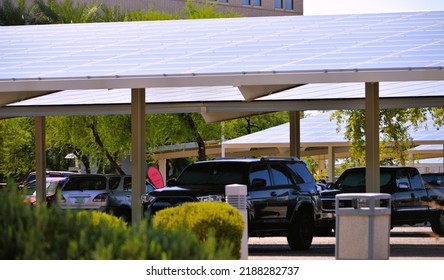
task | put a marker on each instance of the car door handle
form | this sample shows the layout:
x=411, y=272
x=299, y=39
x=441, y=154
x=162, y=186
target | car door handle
x=273, y=193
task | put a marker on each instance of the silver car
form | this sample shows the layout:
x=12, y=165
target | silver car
x=106, y=193
x=85, y=192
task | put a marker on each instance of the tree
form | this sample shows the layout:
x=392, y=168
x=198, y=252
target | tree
x=17, y=150
x=394, y=129
x=238, y=127
x=11, y=14
x=53, y=11
x=102, y=139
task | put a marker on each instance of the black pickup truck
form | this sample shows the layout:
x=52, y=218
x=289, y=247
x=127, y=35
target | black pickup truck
x=411, y=201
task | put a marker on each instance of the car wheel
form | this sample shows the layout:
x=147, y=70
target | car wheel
x=300, y=234
x=125, y=215
x=438, y=224
x=324, y=231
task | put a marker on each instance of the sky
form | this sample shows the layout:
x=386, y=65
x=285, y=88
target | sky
x=324, y=7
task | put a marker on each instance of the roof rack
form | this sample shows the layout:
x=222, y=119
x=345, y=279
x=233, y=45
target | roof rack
x=280, y=158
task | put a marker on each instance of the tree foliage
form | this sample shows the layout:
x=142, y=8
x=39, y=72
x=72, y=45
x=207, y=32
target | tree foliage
x=20, y=14
x=394, y=125
x=17, y=151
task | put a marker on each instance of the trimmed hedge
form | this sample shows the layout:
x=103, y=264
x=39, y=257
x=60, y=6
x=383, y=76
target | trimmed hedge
x=205, y=219
x=41, y=233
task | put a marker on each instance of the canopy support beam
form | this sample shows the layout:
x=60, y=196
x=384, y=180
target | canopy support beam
x=40, y=159
x=295, y=133
x=372, y=137
x=138, y=150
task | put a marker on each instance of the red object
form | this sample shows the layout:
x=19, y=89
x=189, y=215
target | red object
x=155, y=177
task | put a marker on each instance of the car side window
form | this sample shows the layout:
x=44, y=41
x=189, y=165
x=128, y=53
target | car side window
x=280, y=175
x=300, y=172
x=114, y=183
x=402, y=177
x=260, y=172
x=415, y=179
x=127, y=184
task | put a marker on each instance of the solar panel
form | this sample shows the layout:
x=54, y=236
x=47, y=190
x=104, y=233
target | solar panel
x=320, y=130
x=218, y=46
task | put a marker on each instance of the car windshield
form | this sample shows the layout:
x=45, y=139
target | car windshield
x=85, y=183
x=355, y=180
x=215, y=173
x=51, y=187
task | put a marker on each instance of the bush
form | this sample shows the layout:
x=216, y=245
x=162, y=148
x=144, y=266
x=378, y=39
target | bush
x=41, y=233
x=206, y=219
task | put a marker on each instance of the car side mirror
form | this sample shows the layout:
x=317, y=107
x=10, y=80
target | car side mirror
x=171, y=182
x=257, y=183
x=403, y=186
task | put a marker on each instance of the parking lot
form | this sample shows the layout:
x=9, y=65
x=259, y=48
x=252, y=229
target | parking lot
x=406, y=243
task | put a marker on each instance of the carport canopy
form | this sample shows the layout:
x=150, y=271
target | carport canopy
x=258, y=56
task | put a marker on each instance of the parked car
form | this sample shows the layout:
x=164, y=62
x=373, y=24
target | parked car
x=30, y=179
x=120, y=188
x=411, y=201
x=433, y=180
x=282, y=197
x=105, y=193
x=53, y=187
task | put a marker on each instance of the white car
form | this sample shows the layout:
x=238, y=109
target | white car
x=105, y=193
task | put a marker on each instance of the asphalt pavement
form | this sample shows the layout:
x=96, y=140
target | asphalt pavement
x=406, y=243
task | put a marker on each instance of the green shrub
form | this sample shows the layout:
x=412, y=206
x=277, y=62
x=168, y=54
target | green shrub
x=205, y=219
x=41, y=233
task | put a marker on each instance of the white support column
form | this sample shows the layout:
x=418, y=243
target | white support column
x=40, y=159
x=163, y=169
x=138, y=149
x=295, y=133
x=331, y=163
x=372, y=137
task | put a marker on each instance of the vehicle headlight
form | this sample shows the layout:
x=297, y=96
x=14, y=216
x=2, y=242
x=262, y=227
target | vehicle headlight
x=211, y=198
x=146, y=198
x=329, y=215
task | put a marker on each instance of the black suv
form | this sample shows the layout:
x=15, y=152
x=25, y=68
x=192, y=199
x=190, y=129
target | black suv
x=282, y=196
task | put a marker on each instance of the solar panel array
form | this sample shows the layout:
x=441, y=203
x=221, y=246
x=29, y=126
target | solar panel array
x=207, y=94
x=321, y=130
x=217, y=46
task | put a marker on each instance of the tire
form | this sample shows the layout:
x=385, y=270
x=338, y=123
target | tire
x=438, y=224
x=301, y=231
x=124, y=214
x=324, y=231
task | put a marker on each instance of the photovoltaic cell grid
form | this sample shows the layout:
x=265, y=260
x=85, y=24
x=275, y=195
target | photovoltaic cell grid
x=217, y=46
x=320, y=130
x=205, y=94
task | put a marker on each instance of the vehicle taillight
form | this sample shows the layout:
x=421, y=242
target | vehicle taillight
x=103, y=197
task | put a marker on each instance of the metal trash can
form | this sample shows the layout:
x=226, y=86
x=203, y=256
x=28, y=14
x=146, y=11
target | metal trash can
x=362, y=226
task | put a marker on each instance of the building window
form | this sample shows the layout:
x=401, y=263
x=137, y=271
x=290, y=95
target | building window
x=284, y=4
x=252, y=2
